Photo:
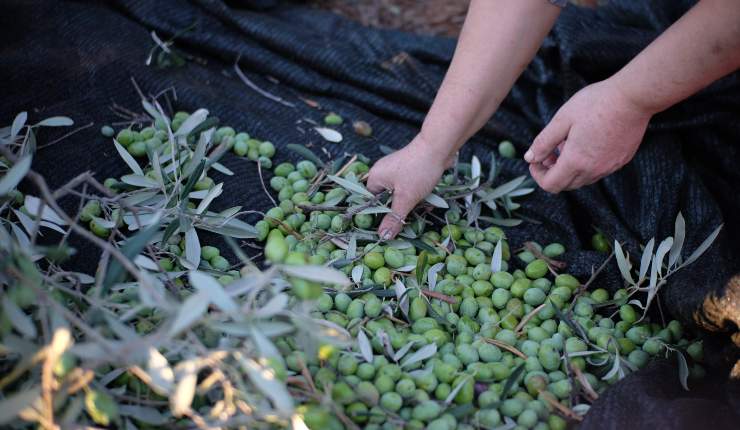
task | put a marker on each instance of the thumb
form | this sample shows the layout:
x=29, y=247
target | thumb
x=549, y=138
x=393, y=222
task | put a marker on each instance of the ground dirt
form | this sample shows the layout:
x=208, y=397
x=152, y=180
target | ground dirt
x=435, y=17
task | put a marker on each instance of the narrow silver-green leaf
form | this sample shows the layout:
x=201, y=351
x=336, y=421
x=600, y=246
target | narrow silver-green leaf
x=128, y=159
x=679, y=234
x=190, y=311
x=18, y=319
x=348, y=185
x=624, y=265
x=267, y=382
x=192, y=247
x=703, y=247
x=328, y=134
x=364, y=344
x=683, y=370
x=13, y=177
x=322, y=274
x=56, y=121
x=436, y=201
x=191, y=122
x=497, y=257
x=420, y=355
x=18, y=122
x=403, y=351
x=216, y=294
x=647, y=255
x=13, y=404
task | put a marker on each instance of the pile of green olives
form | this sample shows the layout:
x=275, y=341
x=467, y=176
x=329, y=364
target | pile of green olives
x=507, y=342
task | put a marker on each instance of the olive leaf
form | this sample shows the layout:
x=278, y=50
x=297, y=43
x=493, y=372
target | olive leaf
x=216, y=294
x=683, y=370
x=55, y=121
x=265, y=380
x=265, y=347
x=34, y=207
x=159, y=370
x=18, y=319
x=475, y=170
x=18, y=122
x=128, y=159
x=497, y=257
x=322, y=274
x=305, y=153
x=190, y=311
x=364, y=344
x=357, y=274
x=184, y=392
x=679, y=234
x=130, y=249
x=456, y=390
x=191, y=122
x=144, y=414
x=350, y=186
x=192, y=248
x=275, y=305
x=647, y=255
x=623, y=262
x=12, y=405
x=432, y=275
x=13, y=177
x=703, y=247
x=403, y=351
x=403, y=300
x=512, y=380
x=328, y=134
x=436, y=201
x=421, y=354
x=139, y=181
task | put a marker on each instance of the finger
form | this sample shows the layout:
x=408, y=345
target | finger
x=550, y=160
x=375, y=184
x=549, y=138
x=558, y=177
x=538, y=171
x=579, y=180
x=392, y=223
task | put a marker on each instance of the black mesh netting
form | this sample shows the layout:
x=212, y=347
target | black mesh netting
x=77, y=58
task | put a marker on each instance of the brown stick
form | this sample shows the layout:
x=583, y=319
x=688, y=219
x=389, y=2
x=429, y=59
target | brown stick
x=439, y=296
x=525, y=320
x=505, y=346
x=564, y=410
x=550, y=262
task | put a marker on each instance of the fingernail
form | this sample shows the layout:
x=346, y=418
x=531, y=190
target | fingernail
x=385, y=234
x=528, y=156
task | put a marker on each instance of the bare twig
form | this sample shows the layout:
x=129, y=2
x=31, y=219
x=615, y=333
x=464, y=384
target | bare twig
x=262, y=181
x=259, y=90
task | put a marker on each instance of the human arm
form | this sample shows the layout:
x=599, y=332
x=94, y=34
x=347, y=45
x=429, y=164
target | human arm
x=498, y=40
x=601, y=127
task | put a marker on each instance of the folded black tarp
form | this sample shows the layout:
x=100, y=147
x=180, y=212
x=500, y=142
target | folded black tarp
x=77, y=58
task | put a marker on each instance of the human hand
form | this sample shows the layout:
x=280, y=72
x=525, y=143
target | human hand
x=411, y=173
x=597, y=132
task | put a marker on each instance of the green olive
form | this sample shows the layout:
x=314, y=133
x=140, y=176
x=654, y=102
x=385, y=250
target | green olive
x=284, y=169
x=393, y=257
x=333, y=119
x=276, y=248
x=536, y=269
x=506, y=149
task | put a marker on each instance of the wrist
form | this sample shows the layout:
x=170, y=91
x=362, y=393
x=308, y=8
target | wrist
x=628, y=90
x=436, y=150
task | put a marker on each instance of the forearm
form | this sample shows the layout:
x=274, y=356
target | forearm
x=498, y=40
x=699, y=48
